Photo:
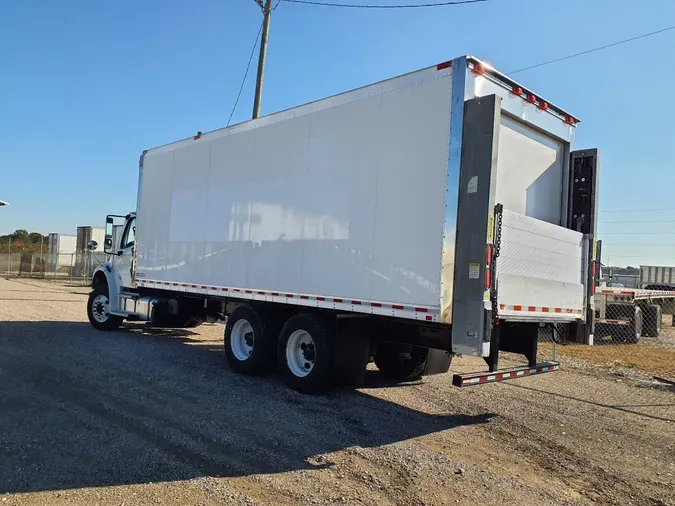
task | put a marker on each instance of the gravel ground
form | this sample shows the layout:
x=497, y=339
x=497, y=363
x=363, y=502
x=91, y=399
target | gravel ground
x=155, y=417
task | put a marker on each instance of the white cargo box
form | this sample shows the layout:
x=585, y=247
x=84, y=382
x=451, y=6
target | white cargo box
x=351, y=203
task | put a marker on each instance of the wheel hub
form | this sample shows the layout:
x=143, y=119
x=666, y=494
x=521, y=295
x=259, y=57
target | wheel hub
x=242, y=339
x=100, y=308
x=300, y=353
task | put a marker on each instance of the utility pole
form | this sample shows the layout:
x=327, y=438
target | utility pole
x=267, y=13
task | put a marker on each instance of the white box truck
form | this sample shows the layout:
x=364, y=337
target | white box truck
x=436, y=213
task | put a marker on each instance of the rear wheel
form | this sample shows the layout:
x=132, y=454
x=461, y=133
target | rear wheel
x=305, y=353
x=98, y=310
x=401, y=362
x=249, y=341
x=651, y=320
x=632, y=332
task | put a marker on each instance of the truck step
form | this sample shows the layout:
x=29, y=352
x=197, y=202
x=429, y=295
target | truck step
x=478, y=378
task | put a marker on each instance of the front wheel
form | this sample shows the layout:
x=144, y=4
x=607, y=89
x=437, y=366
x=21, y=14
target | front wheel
x=98, y=310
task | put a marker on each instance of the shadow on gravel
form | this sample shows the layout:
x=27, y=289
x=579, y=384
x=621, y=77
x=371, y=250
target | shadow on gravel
x=81, y=408
x=627, y=408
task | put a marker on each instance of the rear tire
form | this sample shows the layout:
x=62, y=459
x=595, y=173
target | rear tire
x=250, y=340
x=98, y=310
x=626, y=333
x=401, y=362
x=305, y=353
x=651, y=320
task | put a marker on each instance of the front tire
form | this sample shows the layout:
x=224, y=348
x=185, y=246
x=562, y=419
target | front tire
x=305, y=353
x=250, y=341
x=98, y=310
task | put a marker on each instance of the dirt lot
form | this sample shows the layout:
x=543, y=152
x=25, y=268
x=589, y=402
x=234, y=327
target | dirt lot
x=140, y=417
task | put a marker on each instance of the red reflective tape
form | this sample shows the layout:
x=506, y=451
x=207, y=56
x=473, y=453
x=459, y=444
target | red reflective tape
x=289, y=295
x=531, y=308
x=321, y=299
x=183, y=284
x=224, y=289
x=429, y=318
x=194, y=286
x=337, y=300
x=356, y=302
x=376, y=304
x=501, y=306
x=570, y=311
x=214, y=288
x=544, y=310
x=203, y=286
x=275, y=294
x=249, y=291
x=304, y=297
x=261, y=293
x=421, y=310
x=558, y=310
x=444, y=65
x=517, y=308
x=236, y=290
x=400, y=308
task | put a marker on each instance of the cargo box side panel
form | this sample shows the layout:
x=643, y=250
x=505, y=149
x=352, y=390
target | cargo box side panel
x=343, y=198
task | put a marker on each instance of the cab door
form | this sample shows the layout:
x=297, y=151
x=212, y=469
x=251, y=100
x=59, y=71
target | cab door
x=125, y=254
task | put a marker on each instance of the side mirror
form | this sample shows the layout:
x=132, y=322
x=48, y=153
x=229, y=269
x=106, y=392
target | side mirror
x=108, y=243
x=92, y=245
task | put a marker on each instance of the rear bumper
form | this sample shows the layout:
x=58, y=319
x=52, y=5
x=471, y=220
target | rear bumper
x=470, y=379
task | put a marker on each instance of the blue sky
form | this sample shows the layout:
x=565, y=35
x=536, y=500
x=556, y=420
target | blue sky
x=87, y=85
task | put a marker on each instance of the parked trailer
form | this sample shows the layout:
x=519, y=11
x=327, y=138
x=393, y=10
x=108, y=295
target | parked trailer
x=628, y=314
x=435, y=213
x=60, y=248
x=657, y=277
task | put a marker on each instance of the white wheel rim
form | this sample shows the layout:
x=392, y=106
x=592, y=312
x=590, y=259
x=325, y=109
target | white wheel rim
x=242, y=339
x=100, y=308
x=300, y=353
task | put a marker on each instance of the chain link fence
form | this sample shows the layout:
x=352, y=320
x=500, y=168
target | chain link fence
x=72, y=267
x=630, y=364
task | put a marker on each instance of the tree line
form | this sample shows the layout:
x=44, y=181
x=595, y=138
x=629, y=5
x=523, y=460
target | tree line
x=23, y=241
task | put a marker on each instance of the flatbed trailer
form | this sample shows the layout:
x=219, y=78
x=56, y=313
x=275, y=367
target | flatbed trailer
x=627, y=314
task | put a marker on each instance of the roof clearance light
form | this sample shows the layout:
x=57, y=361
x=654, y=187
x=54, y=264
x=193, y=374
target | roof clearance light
x=570, y=120
x=480, y=68
x=517, y=90
x=531, y=98
x=543, y=105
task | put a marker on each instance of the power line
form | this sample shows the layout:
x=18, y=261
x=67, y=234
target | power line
x=414, y=6
x=243, y=81
x=642, y=221
x=625, y=41
x=636, y=210
x=638, y=233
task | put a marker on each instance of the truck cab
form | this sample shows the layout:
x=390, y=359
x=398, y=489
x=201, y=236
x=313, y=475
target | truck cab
x=106, y=304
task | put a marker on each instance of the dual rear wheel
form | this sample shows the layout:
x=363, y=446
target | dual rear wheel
x=301, y=349
x=304, y=351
